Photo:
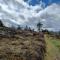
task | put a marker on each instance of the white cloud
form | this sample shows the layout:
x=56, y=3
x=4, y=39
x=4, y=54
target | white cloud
x=15, y=8
x=51, y=14
x=19, y=12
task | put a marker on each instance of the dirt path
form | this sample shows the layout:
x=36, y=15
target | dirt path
x=53, y=52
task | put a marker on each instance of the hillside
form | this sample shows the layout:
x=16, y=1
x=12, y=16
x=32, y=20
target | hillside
x=22, y=45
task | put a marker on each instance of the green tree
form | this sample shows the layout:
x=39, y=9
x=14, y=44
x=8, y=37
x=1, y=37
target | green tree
x=19, y=27
x=1, y=24
x=39, y=25
x=26, y=28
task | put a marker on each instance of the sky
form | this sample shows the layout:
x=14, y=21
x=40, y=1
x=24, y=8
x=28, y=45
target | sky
x=30, y=12
x=47, y=2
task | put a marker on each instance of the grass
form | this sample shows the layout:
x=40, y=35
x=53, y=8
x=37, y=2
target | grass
x=24, y=46
x=56, y=43
x=53, y=48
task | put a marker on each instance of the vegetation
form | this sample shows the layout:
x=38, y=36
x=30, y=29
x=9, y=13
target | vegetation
x=26, y=28
x=53, y=48
x=1, y=24
x=22, y=45
x=19, y=27
x=39, y=25
x=27, y=44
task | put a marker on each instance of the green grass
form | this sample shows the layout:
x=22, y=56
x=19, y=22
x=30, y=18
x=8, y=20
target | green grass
x=56, y=43
x=53, y=48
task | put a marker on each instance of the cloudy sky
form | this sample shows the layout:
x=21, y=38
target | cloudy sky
x=29, y=12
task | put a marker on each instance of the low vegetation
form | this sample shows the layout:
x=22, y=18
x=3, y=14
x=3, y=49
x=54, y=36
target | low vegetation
x=27, y=44
x=53, y=48
x=21, y=45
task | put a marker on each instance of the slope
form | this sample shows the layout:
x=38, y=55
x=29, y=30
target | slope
x=23, y=45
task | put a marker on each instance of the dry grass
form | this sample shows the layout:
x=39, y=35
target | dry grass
x=23, y=46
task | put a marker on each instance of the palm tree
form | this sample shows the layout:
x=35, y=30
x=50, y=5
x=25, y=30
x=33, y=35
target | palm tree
x=39, y=25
